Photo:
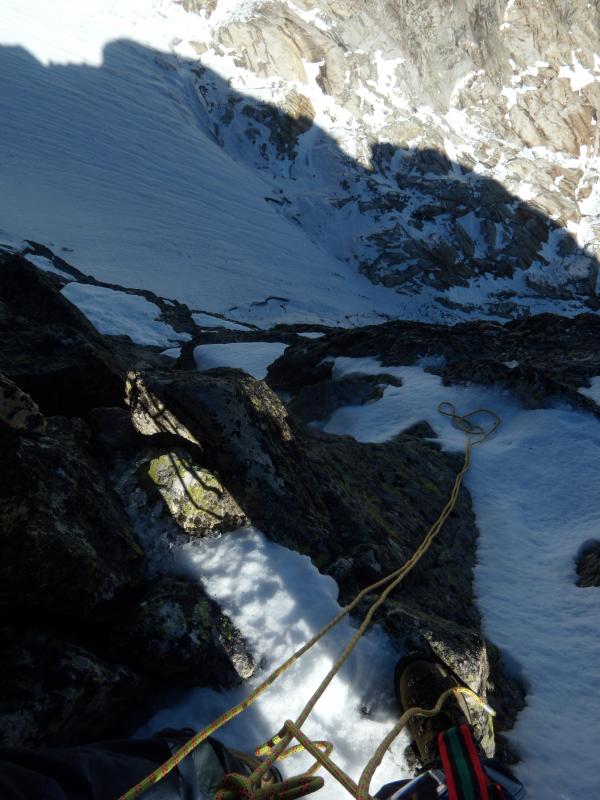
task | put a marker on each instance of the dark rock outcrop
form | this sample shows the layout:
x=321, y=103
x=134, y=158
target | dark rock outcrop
x=49, y=349
x=178, y=634
x=537, y=358
x=55, y=692
x=66, y=545
x=73, y=572
x=319, y=401
x=588, y=565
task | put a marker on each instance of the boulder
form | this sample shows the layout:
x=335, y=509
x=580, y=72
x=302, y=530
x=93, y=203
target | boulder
x=175, y=632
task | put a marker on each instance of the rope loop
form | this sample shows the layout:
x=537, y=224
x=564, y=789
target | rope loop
x=463, y=421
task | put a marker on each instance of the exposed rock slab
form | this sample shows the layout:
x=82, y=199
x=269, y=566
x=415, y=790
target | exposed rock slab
x=176, y=633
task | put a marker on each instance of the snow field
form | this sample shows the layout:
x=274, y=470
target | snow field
x=110, y=153
x=118, y=313
x=534, y=486
x=280, y=600
x=253, y=357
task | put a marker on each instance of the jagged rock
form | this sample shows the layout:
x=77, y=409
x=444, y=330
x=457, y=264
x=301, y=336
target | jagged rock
x=175, y=632
x=17, y=409
x=490, y=109
x=56, y=693
x=538, y=357
x=319, y=401
x=66, y=545
x=149, y=414
x=588, y=565
x=195, y=497
x=48, y=348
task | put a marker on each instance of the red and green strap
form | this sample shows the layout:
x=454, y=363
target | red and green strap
x=465, y=777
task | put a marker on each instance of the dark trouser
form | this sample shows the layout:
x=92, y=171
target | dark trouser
x=105, y=770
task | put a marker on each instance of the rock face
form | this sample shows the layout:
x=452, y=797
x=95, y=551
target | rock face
x=161, y=632
x=66, y=545
x=195, y=498
x=91, y=630
x=57, y=693
x=446, y=146
x=49, y=349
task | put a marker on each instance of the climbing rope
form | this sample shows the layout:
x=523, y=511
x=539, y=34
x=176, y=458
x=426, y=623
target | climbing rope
x=249, y=787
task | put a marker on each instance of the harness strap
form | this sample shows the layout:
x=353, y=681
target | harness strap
x=465, y=777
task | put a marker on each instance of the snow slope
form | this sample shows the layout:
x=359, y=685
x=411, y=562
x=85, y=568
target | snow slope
x=107, y=151
x=253, y=357
x=119, y=313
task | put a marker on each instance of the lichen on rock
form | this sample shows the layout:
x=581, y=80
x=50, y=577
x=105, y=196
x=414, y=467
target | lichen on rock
x=195, y=497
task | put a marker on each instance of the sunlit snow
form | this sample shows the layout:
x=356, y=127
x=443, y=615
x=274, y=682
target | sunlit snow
x=279, y=600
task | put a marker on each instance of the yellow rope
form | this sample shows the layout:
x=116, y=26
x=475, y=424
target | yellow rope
x=233, y=785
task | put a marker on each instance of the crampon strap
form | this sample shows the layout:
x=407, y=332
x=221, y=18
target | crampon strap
x=465, y=777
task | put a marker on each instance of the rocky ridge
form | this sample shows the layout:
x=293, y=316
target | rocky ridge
x=455, y=149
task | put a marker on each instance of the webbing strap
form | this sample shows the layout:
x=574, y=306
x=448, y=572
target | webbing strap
x=465, y=777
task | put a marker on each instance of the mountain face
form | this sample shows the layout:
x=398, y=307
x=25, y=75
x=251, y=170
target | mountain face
x=450, y=149
x=214, y=184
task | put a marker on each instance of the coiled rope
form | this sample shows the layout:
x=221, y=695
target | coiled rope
x=249, y=787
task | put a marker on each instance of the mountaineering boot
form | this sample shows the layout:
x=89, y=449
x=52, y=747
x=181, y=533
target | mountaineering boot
x=419, y=681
